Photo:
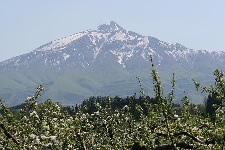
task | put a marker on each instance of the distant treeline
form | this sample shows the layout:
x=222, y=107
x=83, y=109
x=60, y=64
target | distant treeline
x=92, y=104
x=117, y=103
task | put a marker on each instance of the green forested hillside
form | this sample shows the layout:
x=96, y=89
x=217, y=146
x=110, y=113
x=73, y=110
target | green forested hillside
x=73, y=86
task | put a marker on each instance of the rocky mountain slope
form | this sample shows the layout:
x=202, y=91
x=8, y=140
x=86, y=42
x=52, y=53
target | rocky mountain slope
x=104, y=61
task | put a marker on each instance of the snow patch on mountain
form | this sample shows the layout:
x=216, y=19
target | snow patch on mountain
x=61, y=44
x=65, y=56
x=146, y=53
x=98, y=39
x=218, y=54
x=181, y=54
x=96, y=35
x=17, y=62
x=96, y=52
x=143, y=41
x=123, y=55
x=121, y=36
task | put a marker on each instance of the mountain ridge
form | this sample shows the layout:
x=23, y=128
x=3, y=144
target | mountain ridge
x=118, y=34
x=96, y=51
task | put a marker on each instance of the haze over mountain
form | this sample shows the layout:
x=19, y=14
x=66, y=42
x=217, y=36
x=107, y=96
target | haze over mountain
x=105, y=61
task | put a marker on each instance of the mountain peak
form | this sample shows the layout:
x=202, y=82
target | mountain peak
x=102, y=61
x=111, y=27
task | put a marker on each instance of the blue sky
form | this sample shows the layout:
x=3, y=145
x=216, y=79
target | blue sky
x=26, y=25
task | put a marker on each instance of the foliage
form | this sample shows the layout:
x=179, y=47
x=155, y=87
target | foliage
x=159, y=126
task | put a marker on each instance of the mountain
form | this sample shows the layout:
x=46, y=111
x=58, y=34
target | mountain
x=104, y=61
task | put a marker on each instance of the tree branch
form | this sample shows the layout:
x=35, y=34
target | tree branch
x=8, y=134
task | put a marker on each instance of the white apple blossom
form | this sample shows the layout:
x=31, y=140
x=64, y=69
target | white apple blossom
x=32, y=136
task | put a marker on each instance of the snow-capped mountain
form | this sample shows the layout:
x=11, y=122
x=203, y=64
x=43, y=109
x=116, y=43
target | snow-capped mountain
x=108, y=49
x=84, y=48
